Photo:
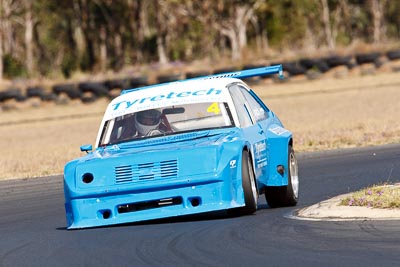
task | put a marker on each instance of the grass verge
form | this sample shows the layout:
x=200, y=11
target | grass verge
x=385, y=196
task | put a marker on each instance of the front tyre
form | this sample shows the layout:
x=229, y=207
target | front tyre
x=249, y=186
x=283, y=196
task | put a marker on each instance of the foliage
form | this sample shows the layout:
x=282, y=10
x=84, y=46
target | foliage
x=13, y=67
x=90, y=36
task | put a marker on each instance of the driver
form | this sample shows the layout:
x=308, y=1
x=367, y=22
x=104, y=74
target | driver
x=147, y=122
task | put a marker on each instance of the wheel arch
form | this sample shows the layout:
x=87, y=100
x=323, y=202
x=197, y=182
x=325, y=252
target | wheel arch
x=290, y=143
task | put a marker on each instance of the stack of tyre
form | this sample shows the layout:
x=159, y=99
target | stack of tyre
x=89, y=92
x=19, y=95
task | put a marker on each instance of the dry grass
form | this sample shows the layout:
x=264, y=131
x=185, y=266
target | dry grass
x=42, y=147
x=323, y=114
x=380, y=196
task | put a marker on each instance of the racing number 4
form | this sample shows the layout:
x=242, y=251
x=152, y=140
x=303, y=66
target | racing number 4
x=214, y=108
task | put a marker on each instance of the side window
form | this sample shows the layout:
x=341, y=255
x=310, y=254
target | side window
x=258, y=111
x=241, y=109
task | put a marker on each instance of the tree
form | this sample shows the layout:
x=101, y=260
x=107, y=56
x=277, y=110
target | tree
x=161, y=13
x=1, y=40
x=327, y=25
x=29, y=61
x=233, y=24
x=94, y=36
x=376, y=8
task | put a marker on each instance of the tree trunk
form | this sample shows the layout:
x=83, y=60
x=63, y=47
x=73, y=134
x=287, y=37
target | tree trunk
x=78, y=37
x=327, y=25
x=29, y=37
x=240, y=25
x=88, y=31
x=118, y=51
x=103, y=49
x=376, y=10
x=161, y=23
x=1, y=40
x=233, y=40
x=8, y=39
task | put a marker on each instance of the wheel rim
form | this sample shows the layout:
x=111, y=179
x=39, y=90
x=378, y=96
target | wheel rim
x=294, y=174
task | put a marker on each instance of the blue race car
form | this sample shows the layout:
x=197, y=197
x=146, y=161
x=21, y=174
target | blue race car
x=180, y=148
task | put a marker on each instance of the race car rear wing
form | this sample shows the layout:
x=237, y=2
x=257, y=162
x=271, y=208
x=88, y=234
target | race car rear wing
x=248, y=73
x=263, y=71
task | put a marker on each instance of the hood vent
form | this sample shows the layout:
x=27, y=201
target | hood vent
x=146, y=171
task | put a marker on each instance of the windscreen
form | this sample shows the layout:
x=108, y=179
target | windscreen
x=167, y=120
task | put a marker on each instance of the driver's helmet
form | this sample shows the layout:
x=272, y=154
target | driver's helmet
x=147, y=120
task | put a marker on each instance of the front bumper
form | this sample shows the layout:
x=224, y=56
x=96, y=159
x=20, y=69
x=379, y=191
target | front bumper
x=156, y=203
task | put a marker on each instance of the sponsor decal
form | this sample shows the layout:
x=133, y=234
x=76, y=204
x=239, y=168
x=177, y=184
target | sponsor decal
x=171, y=96
x=260, y=153
x=115, y=147
x=278, y=130
x=151, y=99
x=232, y=163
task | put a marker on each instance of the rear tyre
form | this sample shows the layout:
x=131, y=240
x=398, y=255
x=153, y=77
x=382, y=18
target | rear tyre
x=283, y=196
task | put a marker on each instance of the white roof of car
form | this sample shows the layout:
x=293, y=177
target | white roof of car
x=168, y=94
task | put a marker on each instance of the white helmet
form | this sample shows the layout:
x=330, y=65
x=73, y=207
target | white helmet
x=147, y=120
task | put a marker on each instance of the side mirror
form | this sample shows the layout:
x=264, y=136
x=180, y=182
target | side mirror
x=86, y=148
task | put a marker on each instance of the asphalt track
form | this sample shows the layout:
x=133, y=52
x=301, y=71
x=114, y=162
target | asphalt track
x=32, y=226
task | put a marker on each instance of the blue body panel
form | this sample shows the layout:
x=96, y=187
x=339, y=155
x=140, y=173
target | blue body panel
x=133, y=175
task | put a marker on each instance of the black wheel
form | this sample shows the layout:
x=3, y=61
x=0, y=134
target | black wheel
x=283, y=196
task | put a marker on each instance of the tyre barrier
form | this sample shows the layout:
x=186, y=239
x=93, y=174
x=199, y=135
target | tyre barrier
x=49, y=97
x=196, y=74
x=312, y=68
x=69, y=89
x=168, y=78
x=40, y=93
x=294, y=68
x=139, y=81
x=117, y=84
x=393, y=54
x=336, y=61
x=367, y=58
x=35, y=92
x=307, y=63
x=12, y=93
x=97, y=88
x=319, y=64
